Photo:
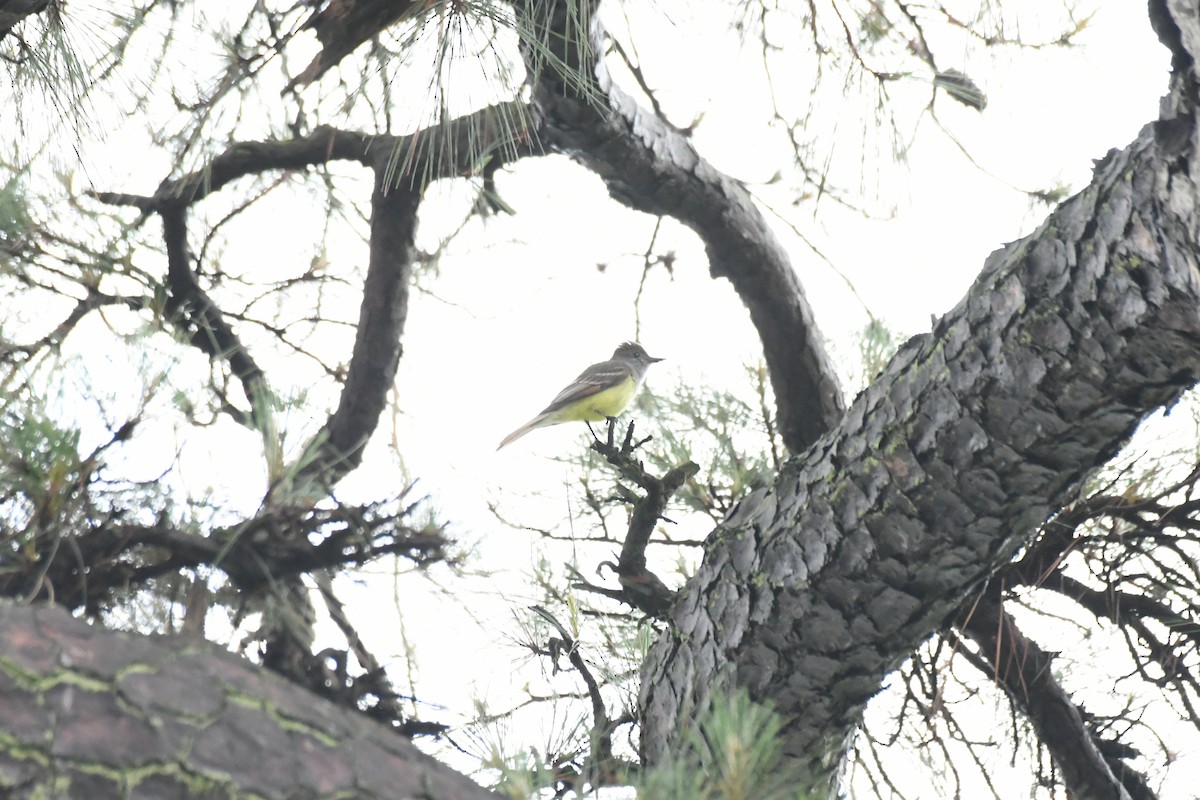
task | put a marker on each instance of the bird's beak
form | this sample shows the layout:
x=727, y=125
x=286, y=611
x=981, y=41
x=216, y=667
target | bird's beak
x=653, y=360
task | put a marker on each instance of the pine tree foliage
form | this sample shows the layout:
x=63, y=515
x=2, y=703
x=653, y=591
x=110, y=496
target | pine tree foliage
x=215, y=221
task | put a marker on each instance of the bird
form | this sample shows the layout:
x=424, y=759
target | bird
x=602, y=391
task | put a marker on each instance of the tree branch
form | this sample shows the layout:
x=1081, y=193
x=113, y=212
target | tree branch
x=400, y=175
x=115, y=556
x=341, y=26
x=188, y=306
x=14, y=12
x=191, y=309
x=377, y=347
x=974, y=435
x=117, y=714
x=602, y=767
x=240, y=159
x=652, y=167
x=1026, y=673
x=1134, y=550
x=640, y=587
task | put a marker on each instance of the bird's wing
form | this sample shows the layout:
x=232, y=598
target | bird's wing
x=592, y=380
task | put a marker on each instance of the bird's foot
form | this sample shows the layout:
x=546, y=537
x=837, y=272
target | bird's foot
x=612, y=430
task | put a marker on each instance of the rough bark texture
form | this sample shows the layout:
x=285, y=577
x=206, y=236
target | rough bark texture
x=813, y=590
x=105, y=715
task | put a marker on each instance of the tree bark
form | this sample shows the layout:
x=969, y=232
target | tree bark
x=653, y=167
x=377, y=348
x=811, y=591
x=103, y=715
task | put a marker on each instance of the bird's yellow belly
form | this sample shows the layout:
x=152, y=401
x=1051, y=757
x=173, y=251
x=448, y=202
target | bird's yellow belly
x=607, y=403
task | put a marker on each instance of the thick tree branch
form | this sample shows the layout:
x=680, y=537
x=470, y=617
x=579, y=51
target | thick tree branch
x=189, y=306
x=402, y=165
x=240, y=159
x=1026, y=673
x=377, y=340
x=974, y=435
x=653, y=167
x=342, y=25
x=629, y=151
x=100, y=714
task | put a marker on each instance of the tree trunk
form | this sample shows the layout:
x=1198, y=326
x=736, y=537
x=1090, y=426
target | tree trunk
x=101, y=715
x=811, y=591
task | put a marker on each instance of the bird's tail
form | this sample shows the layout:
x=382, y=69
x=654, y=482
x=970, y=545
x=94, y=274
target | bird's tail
x=536, y=422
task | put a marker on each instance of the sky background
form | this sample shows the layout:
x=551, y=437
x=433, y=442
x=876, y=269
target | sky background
x=521, y=304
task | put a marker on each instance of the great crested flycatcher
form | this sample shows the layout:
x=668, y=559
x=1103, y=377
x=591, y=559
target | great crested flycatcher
x=601, y=391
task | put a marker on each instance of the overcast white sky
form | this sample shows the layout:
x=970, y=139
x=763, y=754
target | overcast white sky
x=521, y=306
x=524, y=308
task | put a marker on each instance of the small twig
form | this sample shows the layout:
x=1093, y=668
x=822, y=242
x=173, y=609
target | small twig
x=600, y=766
x=640, y=587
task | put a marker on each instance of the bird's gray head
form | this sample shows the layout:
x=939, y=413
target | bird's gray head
x=636, y=355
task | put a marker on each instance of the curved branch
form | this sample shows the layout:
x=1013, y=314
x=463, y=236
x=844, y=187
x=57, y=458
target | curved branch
x=377, y=347
x=814, y=589
x=240, y=159
x=191, y=310
x=1026, y=673
x=652, y=167
x=402, y=167
x=188, y=306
